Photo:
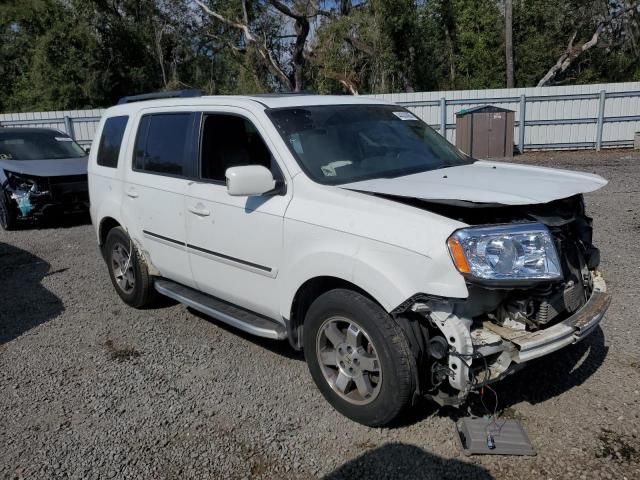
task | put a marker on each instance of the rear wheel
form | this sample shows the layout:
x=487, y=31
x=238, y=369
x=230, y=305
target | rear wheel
x=128, y=273
x=358, y=357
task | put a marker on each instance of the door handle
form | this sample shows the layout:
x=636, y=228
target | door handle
x=199, y=210
x=132, y=193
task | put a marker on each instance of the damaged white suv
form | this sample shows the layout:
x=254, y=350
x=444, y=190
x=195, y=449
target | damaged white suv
x=349, y=227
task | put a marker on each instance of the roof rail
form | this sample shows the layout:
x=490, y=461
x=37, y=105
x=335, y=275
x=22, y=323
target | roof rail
x=158, y=95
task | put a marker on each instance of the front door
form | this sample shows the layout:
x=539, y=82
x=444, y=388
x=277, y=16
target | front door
x=235, y=243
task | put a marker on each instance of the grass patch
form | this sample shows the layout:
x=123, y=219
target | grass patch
x=615, y=446
x=511, y=413
x=121, y=354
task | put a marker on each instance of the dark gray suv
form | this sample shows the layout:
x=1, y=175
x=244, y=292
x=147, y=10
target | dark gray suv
x=41, y=171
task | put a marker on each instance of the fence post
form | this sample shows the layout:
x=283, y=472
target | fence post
x=521, y=125
x=68, y=126
x=443, y=117
x=603, y=100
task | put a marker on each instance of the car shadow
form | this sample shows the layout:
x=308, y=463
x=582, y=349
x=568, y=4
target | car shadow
x=407, y=462
x=55, y=221
x=63, y=221
x=554, y=374
x=537, y=382
x=279, y=347
x=24, y=302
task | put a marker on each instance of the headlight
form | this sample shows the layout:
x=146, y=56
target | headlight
x=505, y=253
x=20, y=182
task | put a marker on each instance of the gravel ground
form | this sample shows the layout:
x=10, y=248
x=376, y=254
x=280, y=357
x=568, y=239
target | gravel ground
x=90, y=388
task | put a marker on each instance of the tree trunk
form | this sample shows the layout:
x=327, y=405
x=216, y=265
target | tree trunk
x=298, y=60
x=252, y=38
x=508, y=41
x=574, y=51
x=345, y=7
x=449, y=24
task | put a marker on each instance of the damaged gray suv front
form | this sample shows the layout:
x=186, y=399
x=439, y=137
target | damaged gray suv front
x=42, y=171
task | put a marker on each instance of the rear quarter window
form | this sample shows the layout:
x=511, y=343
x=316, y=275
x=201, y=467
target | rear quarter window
x=111, y=141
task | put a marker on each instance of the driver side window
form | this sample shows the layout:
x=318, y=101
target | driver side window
x=231, y=141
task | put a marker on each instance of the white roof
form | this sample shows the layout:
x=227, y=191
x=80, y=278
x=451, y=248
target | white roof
x=250, y=101
x=302, y=100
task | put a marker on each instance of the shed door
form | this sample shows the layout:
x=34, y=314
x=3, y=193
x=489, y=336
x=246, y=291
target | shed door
x=497, y=132
x=480, y=135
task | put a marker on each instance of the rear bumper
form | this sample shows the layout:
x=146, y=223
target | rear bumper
x=531, y=345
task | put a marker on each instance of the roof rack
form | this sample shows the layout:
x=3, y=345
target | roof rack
x=283, y=94
x=158, y=95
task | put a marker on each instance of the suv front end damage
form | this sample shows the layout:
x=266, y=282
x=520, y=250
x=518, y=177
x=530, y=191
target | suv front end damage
x=506, y=322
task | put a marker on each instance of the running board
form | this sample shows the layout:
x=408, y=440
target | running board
x=225, y=312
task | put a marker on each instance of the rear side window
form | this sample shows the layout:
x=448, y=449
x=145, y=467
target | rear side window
x=111, y=140
x=162, y=144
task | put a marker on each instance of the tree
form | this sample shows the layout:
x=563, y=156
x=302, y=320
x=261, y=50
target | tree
x=508, y=41
x=574, y=50
x=299, y=12
x=57, y=54
x=50, y=56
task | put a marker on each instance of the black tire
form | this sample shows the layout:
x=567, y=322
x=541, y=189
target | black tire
x=141, y=293
x=8, y=219
x=397, y=382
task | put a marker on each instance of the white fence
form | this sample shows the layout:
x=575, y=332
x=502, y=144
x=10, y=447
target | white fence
x=571, y=117
x=78, y=124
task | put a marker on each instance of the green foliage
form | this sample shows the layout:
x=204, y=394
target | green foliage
x=479, y=57
x=67, y=54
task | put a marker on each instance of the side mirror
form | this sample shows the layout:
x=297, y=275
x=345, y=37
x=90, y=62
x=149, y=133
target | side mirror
x=87, y=149
x=249, y=180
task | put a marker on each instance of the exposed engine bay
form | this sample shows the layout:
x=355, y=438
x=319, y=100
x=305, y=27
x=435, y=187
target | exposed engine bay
x=543, y=304
x=33, y=196
x=498, y=328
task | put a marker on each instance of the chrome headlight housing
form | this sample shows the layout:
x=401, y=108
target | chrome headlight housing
x=506, y=253
x=19, y=182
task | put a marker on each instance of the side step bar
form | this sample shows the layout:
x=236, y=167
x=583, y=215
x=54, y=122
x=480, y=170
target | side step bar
x=225, y=312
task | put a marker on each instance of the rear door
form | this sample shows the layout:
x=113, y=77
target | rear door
x=162, y=161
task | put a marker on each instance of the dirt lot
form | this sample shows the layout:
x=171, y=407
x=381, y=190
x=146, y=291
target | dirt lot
x=90, y=388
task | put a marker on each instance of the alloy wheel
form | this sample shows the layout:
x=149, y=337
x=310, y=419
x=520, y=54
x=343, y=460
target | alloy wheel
x=122, y=266
x=349, y=360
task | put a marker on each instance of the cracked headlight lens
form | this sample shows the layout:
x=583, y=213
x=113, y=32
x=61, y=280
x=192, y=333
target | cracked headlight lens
x=505, y=253
x=19, y=181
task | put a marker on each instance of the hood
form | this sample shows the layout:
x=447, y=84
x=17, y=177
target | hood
x=486, y=182
x=47, y=168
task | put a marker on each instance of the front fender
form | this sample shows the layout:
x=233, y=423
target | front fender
x=388, y=273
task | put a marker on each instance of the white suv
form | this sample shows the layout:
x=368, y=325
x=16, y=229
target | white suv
x=346, y=225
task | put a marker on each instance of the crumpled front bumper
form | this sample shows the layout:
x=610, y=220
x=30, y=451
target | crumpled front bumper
x=531, y=345
x=49, y=197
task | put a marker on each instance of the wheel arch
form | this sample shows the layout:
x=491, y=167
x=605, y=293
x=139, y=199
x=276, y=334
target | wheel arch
x=304, y=297
x=106, y=225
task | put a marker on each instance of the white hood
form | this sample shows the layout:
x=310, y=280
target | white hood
x=486, y=182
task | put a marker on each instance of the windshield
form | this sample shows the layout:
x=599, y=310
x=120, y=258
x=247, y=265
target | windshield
x=336, y=144
x=37, y=145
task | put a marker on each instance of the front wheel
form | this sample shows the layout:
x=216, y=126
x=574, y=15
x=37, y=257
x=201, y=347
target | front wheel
x=358, y=357
x=128, y=272
x=8, y=218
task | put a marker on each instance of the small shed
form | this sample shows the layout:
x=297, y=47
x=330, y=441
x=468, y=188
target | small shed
x=485, y=132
